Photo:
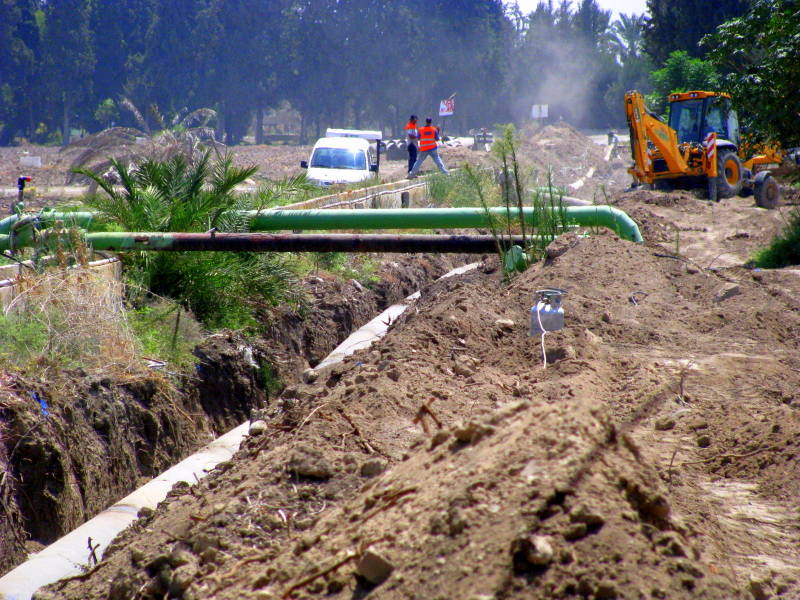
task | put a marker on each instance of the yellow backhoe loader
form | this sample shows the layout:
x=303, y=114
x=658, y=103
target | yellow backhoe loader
x=700, y=146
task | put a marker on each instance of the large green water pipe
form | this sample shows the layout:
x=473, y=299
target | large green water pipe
x=387, y=218
x=433, y=218
x=46, y=219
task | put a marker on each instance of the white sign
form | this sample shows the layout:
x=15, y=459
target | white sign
x=539, y=111
x=447, y=107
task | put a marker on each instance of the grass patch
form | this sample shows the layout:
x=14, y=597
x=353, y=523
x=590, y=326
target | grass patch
x=167, y=333
x=784, y=250
x=458, y=189
x=68, y=318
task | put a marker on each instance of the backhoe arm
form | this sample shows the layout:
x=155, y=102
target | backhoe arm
x=645, y=127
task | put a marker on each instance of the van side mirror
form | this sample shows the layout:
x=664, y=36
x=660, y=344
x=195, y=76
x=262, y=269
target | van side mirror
x=373, y=167
x=303, y=164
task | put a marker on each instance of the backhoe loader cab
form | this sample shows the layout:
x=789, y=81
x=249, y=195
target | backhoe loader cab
x=696, y=114
x=701, y=146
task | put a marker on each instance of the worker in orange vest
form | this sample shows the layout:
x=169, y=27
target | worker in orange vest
x=413, y=135
x=428, y=145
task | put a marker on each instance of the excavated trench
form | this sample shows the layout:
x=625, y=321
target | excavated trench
x=69, y=449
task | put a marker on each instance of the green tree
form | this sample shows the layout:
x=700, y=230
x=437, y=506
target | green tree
x=119, y=28
x=681, y=73
x=68, y=57
x=681, y=24
x=761, y=52
x=19, y=41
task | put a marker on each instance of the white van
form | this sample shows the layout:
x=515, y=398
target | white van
x=343, y=156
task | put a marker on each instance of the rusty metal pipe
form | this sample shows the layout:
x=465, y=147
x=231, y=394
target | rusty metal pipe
x=276, y=242
x=264, y=242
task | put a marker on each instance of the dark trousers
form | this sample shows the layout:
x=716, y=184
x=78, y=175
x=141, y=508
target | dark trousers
x=412, y=156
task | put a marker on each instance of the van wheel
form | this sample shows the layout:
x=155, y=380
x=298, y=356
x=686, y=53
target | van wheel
x=729, y=174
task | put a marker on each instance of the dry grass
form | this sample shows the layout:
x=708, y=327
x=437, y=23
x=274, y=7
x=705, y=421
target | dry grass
x=74, y=318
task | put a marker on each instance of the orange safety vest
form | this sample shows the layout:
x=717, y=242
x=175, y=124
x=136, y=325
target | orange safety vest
x=427, y=138
x=411, y=131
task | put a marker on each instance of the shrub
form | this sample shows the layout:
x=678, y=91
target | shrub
x=784, y=250
x=224, y=289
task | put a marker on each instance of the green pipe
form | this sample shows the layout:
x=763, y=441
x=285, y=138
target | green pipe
x=69, y=219
x=366, y=219
x=432, y=218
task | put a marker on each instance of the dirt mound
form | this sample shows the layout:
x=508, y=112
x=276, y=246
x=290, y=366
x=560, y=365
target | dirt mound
x=446, y=462
x=564, y=151
x=55, y=461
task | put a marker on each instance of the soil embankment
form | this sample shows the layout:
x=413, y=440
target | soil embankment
x=71, y=447
x=654, y=457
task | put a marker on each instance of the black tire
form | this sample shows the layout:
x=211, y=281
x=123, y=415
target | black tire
x=663, y=185
x=767, y=192
x=747, y=184
x=729, y=174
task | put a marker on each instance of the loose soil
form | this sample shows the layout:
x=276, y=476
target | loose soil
x=103, y=437
x=655, y=456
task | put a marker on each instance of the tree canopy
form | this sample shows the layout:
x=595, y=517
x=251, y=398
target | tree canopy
x=761, y=53
x=361, y=63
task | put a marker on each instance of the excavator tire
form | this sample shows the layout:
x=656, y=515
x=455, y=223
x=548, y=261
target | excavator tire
x=729, y=174
x=766, y=191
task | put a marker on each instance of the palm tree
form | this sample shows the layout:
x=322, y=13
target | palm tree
x=187, y=133
x=224, y=289
x=627, y=36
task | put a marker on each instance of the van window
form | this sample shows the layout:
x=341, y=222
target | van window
x=339, y=158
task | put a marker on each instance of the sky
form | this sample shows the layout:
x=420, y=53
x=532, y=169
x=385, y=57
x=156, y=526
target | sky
x=618, y=6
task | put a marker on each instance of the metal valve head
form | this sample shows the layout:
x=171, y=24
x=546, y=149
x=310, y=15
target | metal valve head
x=551, y=296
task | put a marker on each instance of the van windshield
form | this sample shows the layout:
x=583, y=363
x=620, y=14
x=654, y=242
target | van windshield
x=339, y=158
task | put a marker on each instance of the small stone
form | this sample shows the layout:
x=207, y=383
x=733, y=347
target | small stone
x=507, y=324
x=471, y=433
x=759, y=590
x=606, y=590
x=257, y=427
x=145, y=512
x=561, y=244
x=607, y=317
x=440, y=437
x=729, y=290
x=182, y=578
x=203, y=542
x=374, y=568
x=592, y=338
x=569, y=352
x=671, y=544
x=757, y=275
x=539, y=551
x=664, y=424
x=691, y=269
x=180, y=556
x=306, y=461
x=373, y=468
x=704, y=441
x=575, y=531
x=584, y=514
x=463, y=368
x=137, y=556
x=310, y=375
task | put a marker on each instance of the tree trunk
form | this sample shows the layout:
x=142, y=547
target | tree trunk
x=302, y=128
x=259, y=125
x=220, y=132
x=65, y=135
